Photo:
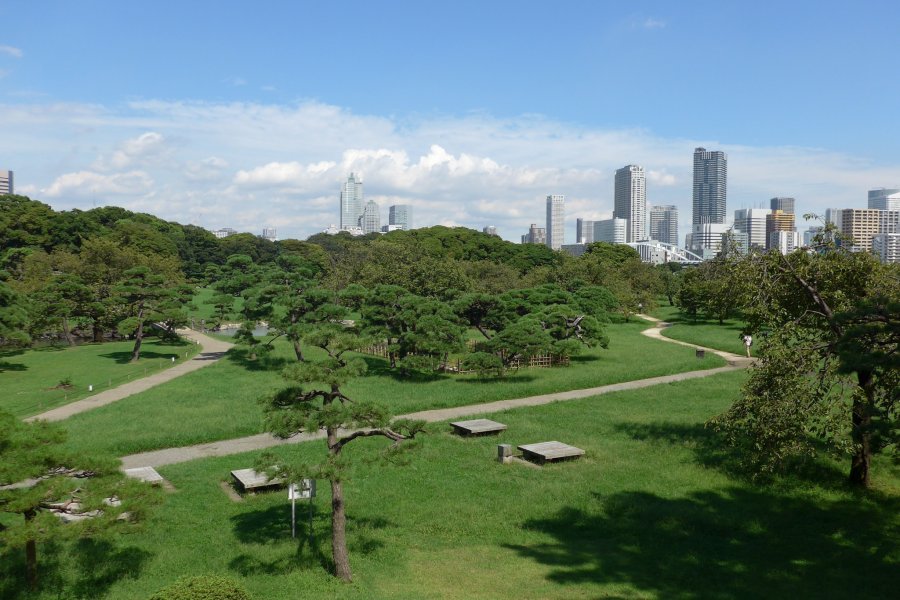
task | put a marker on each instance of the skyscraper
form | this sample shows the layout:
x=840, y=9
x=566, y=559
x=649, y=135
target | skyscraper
x=664, y=224
x=882, y=199
x=370, y=221
x=351, y=202
x=6, y=182
x=489, y=229
x=612, y=231
x=584, y=231
x=400, y=214
x=710, y=176
x=785, y=205
x=556, y=215
x=752, y=221
x=777, y=221
x=535, y=235
x=630, y=202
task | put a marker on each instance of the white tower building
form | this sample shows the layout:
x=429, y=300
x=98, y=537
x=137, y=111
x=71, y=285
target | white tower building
x=351, y=202
x=556, y=215
x=630, y=202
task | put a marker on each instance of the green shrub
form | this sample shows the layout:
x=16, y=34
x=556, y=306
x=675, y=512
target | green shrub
x=203, y=587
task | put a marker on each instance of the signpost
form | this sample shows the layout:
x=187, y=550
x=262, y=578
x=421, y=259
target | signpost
x=305, y=489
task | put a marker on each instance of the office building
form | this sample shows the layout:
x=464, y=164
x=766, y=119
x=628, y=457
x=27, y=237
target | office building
x=810, y=234
x=785, y=205
x=886, y=246
x=351, y=202
x=556, y=217
x=224, y=232
x=535, y=235
x=630, y=202
x=710, y=178
x=752, y=221
x=858, y=226
x=6, y=182
x=584, y=231
x=881, y=199
x=575, y=250
x=268, y=233
x=389, y=228
x=783, y=241
x=490, y=230
x=705, y=239
x=778, y=220
x=370, y=221
x=664, y=224
x=613, y=231
x=400, y=214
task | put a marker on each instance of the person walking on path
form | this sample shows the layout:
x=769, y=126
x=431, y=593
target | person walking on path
x=748, y=341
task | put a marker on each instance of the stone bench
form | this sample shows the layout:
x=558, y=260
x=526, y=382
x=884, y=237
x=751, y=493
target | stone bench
x=550, y=451
x=477, y=427
x=249, y=480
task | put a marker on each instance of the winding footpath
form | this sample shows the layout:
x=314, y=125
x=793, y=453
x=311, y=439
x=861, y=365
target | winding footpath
x=213, y=350
x=169, y=456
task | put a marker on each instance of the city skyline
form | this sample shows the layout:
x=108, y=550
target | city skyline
x=220, y=129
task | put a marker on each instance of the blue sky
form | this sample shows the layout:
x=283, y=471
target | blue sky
x=250, y=114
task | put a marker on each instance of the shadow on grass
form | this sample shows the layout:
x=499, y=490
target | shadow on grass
x=711, y=450
x=737, y=543
x=508, y=377
x=124, y=357
x=8, y=366
x=86, y=568
x=272, y=526
x=375, y=365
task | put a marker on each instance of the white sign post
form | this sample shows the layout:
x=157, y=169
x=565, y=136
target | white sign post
x=305, y=489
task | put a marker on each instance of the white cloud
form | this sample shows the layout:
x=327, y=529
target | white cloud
x=94, y=185
x=235, y=81
x=250, y=165
x=652, y=23
x=12, y=51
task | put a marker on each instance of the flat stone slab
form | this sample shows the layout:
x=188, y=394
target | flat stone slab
x=477, y=427
x=550, y=451
x=250, y=480
x=145, y=474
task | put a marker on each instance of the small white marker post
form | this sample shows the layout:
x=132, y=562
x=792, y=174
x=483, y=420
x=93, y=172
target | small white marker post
x=305, y=489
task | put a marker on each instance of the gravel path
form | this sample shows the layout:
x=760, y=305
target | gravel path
x=213, y=350
x=169, y=456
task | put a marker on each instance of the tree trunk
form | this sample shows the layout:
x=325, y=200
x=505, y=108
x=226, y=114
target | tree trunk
x=138, y=337
x=339, y=553
x=862, y=430
x=298, y=351
x=98, y=332
x=31, y=555
x=67, y=332
x=483, y=331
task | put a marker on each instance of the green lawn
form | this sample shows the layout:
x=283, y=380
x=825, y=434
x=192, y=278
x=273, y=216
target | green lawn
x=652, y=511
x=219, y=402
x=30, y=379
x=711, y=334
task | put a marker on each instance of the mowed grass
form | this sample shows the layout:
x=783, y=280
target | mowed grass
x=219, y=401
x=651, y=511
x=30, y=378
x=708, y=333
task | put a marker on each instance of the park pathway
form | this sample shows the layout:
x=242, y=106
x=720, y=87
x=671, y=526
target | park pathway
x=169, y=456
x=212, y=350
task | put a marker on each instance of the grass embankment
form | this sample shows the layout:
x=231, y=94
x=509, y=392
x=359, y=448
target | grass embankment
x=651, y=511
x=219, y=402
x=32, y=378
x=708, y=333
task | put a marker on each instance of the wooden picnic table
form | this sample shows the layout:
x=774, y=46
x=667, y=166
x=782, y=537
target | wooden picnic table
x=550, y=451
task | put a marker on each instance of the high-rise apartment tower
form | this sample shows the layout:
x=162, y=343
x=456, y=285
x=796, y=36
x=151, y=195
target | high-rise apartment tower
x=556, y=215
x=630, y=202
x=6, y=182
x=370, y=221
x=710, y=178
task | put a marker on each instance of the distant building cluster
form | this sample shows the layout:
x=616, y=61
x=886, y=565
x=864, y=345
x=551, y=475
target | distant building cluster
x=6, y=182
x=359, y=218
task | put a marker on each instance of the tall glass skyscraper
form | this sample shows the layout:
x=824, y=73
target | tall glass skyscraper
x=556, y=215
x=351, y=202
x=710, y=176
x=630, y=202
x=401, y=215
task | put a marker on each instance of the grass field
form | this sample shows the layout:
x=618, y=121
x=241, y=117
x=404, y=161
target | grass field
x=711, y=334
x=654, y=510
x=31, y=378
x=219, y=402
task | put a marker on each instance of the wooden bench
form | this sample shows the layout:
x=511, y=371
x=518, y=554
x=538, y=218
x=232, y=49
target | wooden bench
x=477, y=427
x=550, y=451
x=249, y=480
